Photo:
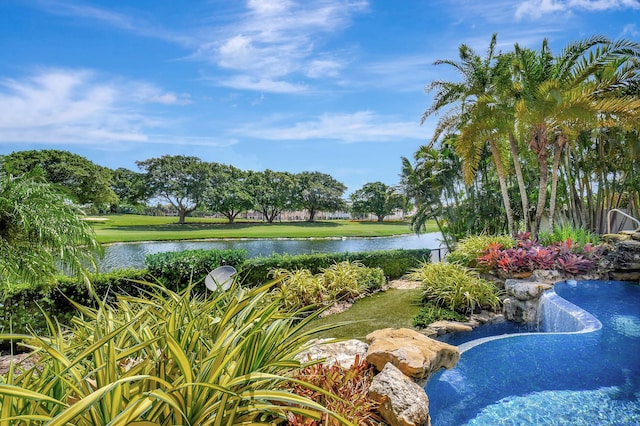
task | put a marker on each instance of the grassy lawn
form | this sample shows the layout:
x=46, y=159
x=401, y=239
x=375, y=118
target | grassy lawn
x=126, y=228
x=392, y=308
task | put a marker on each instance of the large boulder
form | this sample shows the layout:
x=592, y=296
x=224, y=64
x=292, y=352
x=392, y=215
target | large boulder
x=402, y=402
x=416, y=355
x=342, y=353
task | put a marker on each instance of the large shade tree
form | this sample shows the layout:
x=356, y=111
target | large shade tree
x=319, y=192
x=376, y=198
x=228, y=192
x=41, y=231
x=180, y=180
x=83, y=181
x=272, y=192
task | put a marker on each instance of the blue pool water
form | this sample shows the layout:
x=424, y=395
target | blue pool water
x=583, y=369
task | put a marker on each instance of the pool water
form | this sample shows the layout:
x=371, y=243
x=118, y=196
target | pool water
x=585, y=371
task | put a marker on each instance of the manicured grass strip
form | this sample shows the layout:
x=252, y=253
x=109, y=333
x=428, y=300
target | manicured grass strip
x=128, y=228
x=392, y=308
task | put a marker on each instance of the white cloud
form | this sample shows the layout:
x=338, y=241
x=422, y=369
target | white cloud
x=361, y=126
x=78, y=106
x=631, y=30
x=538, y=8
x=277, y=40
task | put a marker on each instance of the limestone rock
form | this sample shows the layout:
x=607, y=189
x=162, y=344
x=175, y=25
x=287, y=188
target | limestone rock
x=444, y=327
x=636, y=236
x=402, y=402
x=525, y=290
x=341, y=353
x=548, y=276
x=525, y=311
x=613, y=238
x=414, y=354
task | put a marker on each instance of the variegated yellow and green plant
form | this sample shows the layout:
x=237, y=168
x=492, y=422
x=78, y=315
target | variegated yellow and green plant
x=165, y=359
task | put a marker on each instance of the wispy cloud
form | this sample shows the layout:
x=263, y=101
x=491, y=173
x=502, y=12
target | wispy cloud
x=79, y=106
x=118, y=20
x=361, y=126
x=273, y=42
x=537, y=8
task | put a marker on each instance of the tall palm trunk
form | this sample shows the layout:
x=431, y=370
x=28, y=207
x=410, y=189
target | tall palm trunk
x=559, y=145
x=539, y=146
x=503, y=186
x=521, y=186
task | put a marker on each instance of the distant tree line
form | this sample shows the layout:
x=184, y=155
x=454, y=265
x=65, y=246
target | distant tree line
x=187, y=184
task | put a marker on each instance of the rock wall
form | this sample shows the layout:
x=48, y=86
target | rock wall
x=622, y=257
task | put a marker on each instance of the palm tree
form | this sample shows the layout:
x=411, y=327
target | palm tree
x=40, y=231
x=477, y=112
x=557, y=97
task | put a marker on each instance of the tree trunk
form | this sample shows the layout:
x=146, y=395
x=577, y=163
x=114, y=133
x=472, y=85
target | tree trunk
x=503, y=187
x=380, y=218
x=524, y=199
x=559, y=145
x=539, y=144
x=312, y=215
x=182, y=213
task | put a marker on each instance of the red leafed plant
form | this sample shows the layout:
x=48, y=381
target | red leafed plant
x=528, y=255
x=348, y=393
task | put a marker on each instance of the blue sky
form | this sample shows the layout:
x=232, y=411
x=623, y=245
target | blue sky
x=335, y=86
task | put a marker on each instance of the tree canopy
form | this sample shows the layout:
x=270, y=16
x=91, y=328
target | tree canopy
x=319, y=192
x=180, y=180
x=83, y=181
x=377, y=198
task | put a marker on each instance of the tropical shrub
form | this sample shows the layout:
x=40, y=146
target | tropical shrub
x=528, y=255
x=301, y=288
x=563, y=233
x=168, y=358
x=469, y=249
x=455, y=287
x=341, y=390
x=351, y=279
x=298, y=289
x=432, y=313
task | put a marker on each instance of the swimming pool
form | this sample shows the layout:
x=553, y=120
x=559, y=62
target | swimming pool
x=585, y=371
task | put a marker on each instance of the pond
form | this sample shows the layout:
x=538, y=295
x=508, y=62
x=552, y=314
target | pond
x=131, y=255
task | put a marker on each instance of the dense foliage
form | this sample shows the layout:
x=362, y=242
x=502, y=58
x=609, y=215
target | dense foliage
x=344, y=392
x=168, y=358
x=301, y=288
x=469, y=249
x=431, y=312
x=40, y=231
x=556, y=131
x=528, y=255
x=455, y=287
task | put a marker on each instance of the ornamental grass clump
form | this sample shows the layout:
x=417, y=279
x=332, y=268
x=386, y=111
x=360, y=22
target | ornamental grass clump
x=469, y=249
x=166, y=359
x=455, y=287
x=344, y=280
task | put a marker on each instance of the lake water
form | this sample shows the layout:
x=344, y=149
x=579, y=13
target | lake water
x=131, y=255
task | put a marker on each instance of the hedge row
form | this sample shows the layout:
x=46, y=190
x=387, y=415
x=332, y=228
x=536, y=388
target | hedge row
x=20, y=306
x=394, y=263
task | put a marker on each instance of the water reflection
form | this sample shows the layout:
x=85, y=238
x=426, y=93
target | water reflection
x=131, y=255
